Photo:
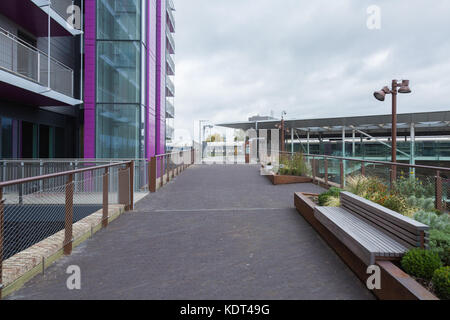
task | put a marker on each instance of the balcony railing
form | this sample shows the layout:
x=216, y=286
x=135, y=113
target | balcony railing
x=171, y=20
x=171, y=64
x=170, y=109
x=170, y=86
x=28, y=62
x=61, y=6
x=171, y=41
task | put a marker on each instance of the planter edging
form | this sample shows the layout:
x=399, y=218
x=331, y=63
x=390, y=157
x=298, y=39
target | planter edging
x=395, y=284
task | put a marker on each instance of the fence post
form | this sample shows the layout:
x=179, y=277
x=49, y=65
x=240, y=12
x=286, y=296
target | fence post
x=152, y=174
x=314, y=169
x=69, y=216
x=326, y=171
x=342, y=174
x=2, y=223
x=105, y=198
x=131, y=166
x=162, y=170
x=438, y=191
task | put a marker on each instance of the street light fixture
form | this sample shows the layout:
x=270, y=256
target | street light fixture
x=400, y=87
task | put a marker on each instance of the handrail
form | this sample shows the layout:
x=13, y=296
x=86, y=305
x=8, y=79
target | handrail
x=59, y=174
x=417, y=166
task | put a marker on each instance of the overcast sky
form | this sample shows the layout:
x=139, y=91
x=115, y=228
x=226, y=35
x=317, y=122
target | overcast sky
x=237, y=58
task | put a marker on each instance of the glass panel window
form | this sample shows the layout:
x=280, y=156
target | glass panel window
x=118, y=131
x=118, y=72
x=119, y=19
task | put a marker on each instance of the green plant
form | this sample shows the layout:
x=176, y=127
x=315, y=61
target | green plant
x=441, y=282
x=411, y=186
x=293, y=165
x=421, y=263
x=438, y=222
x=440, y=243
x=333, y=201
x=332, y=192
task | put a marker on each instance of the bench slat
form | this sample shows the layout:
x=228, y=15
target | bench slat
x=386, y=213
x=402, y=235
x=364, y=240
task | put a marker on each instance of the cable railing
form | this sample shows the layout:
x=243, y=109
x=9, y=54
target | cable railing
x=22, y=59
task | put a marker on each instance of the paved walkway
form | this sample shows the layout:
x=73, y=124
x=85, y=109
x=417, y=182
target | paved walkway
x=216, y=232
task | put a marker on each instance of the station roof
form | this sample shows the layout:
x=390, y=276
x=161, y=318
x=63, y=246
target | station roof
x=425, y=123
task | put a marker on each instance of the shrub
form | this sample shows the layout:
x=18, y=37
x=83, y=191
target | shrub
x=333, y=201
x=438, y=222
x=410, y=186
x=441, y=282
x=293, y=165
x=440, y=243
x=332, y=192
x=421, y=263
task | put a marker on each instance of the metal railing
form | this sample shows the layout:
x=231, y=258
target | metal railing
x=171, y=63
x=433, y=182
x=61, y=6
x=170, y=109
x=164, y=167
x=170, y=7
x=171, y=41
x=39, y=213
x=20, y=58
x=170, y=86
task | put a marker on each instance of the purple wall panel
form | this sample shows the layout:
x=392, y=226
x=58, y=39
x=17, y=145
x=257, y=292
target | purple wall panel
x=160, y=76
x=151, y=79
x=89, y=82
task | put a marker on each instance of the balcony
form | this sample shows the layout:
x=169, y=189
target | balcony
x=170, y=110
x=170, y=42
x=170, y=64
x=170, y=18
x=169, y=132
x=25, y=75
x=33, y=16
x=170, y=88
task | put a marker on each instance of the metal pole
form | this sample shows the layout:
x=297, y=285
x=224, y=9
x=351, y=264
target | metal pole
x=292, y=140
x=353, y=143
x=307, y=142
x=131, y=206
x=105, y=198
x=152, y=174
x=412, y=149
x=394, y=130
x=69, y=216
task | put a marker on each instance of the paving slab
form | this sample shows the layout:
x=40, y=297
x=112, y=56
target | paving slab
x=215, y=232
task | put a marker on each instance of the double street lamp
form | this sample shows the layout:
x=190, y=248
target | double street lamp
x=400, y=87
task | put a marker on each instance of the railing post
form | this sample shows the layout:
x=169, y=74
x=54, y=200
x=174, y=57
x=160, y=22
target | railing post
x=438, y=191
x=152, y=174
x=168, y=167
x=105, y=198
x=162, y=170
x=363, y=169
x=326, y=171
x=342, y=174
x=393, y=175
x=69, y=216
x=314, y=169
x=2, y=224
x=131, y=205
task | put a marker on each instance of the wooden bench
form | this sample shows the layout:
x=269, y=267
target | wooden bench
x=371, y=231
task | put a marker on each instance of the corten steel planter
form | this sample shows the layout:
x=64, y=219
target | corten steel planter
x=283, y=179
x=395, y=284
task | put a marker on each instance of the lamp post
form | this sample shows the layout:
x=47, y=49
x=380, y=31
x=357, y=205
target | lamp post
x=281, y=127
x=397, y=87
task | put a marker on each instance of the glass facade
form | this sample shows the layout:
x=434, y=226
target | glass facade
x=120, y=105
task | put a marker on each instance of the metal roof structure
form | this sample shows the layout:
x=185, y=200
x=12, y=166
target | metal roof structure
x=425, y=123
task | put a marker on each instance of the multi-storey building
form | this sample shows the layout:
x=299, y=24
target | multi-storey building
x=86, y=78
